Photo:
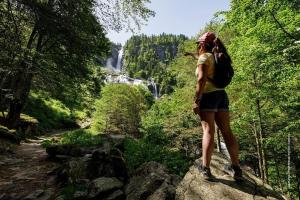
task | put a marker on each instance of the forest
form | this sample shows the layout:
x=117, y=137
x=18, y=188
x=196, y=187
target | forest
x=53, y=79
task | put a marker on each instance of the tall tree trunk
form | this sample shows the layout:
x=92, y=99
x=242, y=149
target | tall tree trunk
x=21, y=81
x=261, y=133
x=296, y=161
x=258, y=149
x=20, y=86
x=277, y=171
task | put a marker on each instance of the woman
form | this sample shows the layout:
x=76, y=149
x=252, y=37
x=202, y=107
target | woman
x=211, y=103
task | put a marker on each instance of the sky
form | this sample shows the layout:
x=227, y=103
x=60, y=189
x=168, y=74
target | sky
x=177, y=17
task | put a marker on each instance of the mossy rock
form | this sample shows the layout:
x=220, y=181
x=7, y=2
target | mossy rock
x=6, y=146
x=28, y=126
x=9, y=135
x=28, y=119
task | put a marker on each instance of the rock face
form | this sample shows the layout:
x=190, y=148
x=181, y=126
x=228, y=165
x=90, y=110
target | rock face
x=103, y=185
x=194, y=187
x=101, y=162
x=101, y=173
x=151, y=181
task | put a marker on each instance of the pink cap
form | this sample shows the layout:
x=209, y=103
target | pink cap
x=207, y=37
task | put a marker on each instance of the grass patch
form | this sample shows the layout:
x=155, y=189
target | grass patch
x=51, y=113
x=80, y=137
x=154, y=146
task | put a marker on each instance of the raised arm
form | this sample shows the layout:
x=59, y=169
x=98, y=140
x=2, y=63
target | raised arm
x=194, y=55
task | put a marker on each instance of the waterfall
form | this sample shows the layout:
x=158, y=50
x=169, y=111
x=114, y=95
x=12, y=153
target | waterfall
x=109, y=63
x=116, y=76
x=119, y=62
x=155, y=91
x=154, y=86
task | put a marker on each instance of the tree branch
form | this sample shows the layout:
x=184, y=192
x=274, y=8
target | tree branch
x=281, y=27
x=32, y=37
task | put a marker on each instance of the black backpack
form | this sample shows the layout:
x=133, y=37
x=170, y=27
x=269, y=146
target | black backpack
x=223, y=70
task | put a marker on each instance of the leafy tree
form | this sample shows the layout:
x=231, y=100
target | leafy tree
x=124, y=14
x=51, y=44
x=148, y=57
x=119, y=110
x=266, y=60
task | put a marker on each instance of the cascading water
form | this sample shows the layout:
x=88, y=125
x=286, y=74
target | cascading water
x=154, y=86
x=109, y=64
x=115, y=75
x=119, y=61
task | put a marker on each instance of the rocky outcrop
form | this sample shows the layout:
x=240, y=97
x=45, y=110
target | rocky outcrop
x=9, y=135
x=28, y=126
x=152, y=181
x=194, y=187
x=104, y=187
x=101, y=173
x=67, y=150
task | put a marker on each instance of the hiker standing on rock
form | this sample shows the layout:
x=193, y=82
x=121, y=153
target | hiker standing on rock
x=211, y=102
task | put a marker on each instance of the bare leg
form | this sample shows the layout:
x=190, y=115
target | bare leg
x=222, y=120
x=208, y=126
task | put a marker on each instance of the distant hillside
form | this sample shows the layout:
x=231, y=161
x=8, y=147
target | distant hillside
x=148, y=57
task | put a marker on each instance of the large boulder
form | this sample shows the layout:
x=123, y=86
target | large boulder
x=152, y=181
x=104, y=187
x=107, y=162
x=194, y=187
x=67, y=150
x=9, y=135
x=28, y=126
x=104, y=161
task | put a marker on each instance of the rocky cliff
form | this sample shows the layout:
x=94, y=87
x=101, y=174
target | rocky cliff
x=223, y=187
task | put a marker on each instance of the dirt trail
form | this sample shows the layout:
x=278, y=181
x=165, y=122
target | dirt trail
x=25, y=172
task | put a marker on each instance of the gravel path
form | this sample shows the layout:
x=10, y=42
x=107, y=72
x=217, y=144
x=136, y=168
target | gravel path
x=24, y=174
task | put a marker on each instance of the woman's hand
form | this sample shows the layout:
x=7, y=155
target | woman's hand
x=194, y=55
x=196, y=108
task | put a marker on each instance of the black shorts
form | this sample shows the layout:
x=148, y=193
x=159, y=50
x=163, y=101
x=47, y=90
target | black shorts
x=214, y=101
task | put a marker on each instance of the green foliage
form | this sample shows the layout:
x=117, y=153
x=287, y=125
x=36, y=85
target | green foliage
x=69, y=190
x=80, y=137
x=148, y=96
x=148, y=57
x=119, y=110
x=264, y=91
x=51, y=113
x=124, y=14
x=52, y=45
x=153, y=147
x=174, y=112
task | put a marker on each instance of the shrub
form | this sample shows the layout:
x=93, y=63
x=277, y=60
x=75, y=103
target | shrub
x=119, y=110
x=80, y=137
x=51, y=113
x=154, y=147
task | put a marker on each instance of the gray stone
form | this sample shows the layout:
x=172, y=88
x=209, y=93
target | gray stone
x=194, y=187
x=61, y=197
x=80, y=194
x=116, y=195
x=40, y=195
x=34, y=195
x=152, y=181
x=103, y=185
